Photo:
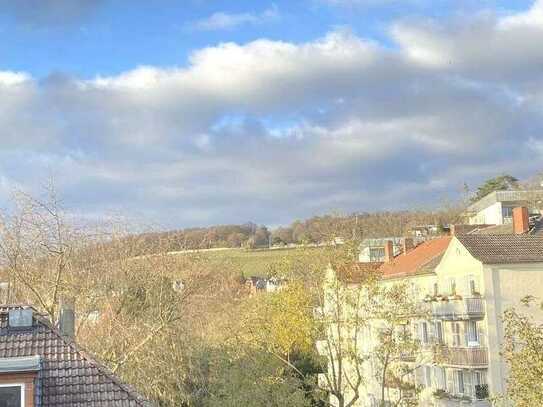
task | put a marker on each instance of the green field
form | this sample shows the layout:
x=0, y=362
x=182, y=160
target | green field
x=257, y=262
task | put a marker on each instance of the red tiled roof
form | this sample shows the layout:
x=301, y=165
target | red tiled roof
x=416, y=260
x=69, y=376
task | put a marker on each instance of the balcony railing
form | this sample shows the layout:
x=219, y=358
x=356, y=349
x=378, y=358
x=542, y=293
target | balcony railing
x=461, y=308
x=456, y=356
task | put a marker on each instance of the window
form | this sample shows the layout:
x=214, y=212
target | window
x=469, y=388
x=424, y=332
x=452, y=286
x=415, y=292
x=439, y=331
x=440, y=378
x=436, y=289
x=377, y=253
x=473, y=334
x=427, y=376
x=473, y=286
x=456, y=333
x=481, y=388
x=11, y=395
x=507, y=212
x=459, y=379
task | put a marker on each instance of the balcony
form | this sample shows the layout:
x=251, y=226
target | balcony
x=458, y=308
x=461, y=357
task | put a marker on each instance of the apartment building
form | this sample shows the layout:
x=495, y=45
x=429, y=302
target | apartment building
x=465, y=282
x=497, y=207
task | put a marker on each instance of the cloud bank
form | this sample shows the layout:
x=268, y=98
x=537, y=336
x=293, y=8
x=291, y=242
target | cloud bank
x=272, y=130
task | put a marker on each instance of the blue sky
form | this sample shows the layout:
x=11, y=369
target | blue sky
x=202, y=112
x=111, y=36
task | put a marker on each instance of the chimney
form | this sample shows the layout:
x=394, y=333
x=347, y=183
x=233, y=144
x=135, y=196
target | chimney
x=408, y=245
x=520, y=220
x=66, y=321
x=454, y=230
x=389, y=251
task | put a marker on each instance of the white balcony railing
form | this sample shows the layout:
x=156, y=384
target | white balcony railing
x=461, y=356
x=458, y=308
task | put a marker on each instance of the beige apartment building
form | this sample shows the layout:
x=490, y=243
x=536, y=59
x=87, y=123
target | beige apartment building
x=465, y=282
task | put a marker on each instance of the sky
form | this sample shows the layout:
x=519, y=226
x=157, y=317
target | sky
x=201, y=112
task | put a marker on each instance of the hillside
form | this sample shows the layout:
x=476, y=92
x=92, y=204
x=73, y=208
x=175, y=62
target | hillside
x=314, y=230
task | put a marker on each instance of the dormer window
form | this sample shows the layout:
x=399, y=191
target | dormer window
x=12, y=395
x=18, y=380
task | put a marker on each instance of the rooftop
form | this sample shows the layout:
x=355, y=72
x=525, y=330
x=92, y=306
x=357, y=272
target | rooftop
x=535, y=223
x=504, y=196
x=504, y=249
x=423, y=258
x=68, y=375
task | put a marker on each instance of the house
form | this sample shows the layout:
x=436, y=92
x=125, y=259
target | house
x=41, y=366
x=496, y=208
x=428, y=230
x=262, y=284
x=373, y=249
x=465, y=282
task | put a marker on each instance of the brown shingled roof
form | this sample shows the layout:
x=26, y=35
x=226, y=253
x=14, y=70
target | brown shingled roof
x=504, y=249
x=423, y=258
x=69, y=377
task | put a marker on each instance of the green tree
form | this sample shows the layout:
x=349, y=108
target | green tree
x=397, y=353
x=500, y=183
x=523, y=351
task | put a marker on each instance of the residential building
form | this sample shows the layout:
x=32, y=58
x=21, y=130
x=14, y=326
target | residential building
x=41, y=366
x=373, y=249
x=496, y=208
x=465, y=282
x=262, y=284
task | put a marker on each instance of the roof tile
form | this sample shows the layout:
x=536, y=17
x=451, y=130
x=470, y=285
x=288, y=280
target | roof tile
x=504, y=249
x=69, y=377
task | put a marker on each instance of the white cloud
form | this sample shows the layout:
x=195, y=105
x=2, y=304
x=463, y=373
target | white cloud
x=533, y=17
x=9, y=78
x=338, y=122
x=225, y=21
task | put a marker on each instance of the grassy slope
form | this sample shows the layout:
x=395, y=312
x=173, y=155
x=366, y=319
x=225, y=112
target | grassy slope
x=251, y=262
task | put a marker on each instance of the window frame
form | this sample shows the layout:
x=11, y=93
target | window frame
x=473, y=335
x=17, y=384
x=438, y=327
x=456, y=335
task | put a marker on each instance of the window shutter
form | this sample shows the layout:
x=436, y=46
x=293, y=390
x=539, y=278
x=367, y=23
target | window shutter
x=468, y=384
x=431, y=332
x=419, y=375
x=449, y=382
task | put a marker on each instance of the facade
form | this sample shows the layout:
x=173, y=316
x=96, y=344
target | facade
x=42, y=367
x=497, y=207
x=373, y=249
x=465, y=283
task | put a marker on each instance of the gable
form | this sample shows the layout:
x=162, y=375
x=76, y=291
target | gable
x=68, y=375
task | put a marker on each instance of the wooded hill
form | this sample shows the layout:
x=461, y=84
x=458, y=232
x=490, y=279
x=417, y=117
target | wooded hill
x=317, y=229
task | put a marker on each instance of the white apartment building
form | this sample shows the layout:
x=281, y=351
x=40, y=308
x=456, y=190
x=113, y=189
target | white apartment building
x=497, y=207
x=466, y=282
